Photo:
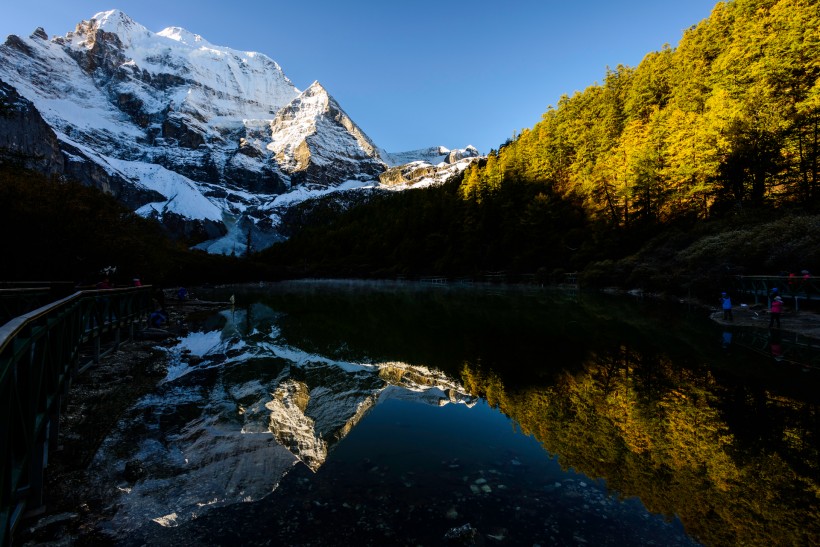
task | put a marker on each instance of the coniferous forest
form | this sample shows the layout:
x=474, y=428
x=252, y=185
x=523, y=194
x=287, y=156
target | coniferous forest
x=700, y=162
x=698, y=165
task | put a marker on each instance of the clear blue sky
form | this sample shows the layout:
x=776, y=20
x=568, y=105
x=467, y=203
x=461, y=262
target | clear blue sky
x=417, y=73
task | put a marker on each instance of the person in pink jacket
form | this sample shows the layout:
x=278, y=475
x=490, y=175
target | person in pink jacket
x=775, y=311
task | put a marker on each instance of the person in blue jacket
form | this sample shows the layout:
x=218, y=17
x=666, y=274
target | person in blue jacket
x=726, y=303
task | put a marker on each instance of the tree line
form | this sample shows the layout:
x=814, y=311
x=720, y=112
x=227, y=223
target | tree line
x=718, y=135
x=728, y=119
x=701, y=161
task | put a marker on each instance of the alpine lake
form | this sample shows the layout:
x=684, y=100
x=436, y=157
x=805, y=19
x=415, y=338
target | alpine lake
x=399, y=413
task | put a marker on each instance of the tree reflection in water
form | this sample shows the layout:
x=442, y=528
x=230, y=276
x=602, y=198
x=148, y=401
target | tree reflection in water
x=648, y=398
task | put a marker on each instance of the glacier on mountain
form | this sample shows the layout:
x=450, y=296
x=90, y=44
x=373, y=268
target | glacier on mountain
x=206, y=137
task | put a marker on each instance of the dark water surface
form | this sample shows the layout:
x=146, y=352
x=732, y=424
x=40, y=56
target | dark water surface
x=329, y=413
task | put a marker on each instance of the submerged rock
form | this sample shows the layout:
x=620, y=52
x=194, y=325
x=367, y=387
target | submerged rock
x=462, y=535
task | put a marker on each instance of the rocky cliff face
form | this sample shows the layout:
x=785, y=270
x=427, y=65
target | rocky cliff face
x=203, y=137
x=25, y=137
x=27, y=140
x=316, y=143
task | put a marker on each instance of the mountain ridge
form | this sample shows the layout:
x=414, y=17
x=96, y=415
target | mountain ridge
x=202, y=137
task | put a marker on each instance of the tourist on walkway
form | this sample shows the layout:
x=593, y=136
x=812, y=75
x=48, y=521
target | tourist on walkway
x=775, y=311
x=726, y=303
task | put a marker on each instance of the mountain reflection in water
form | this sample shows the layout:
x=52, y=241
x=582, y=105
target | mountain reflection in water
x=355, y=413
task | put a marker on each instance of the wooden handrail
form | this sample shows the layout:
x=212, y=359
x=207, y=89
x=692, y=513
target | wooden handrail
x=797, y=287
x=40, y=352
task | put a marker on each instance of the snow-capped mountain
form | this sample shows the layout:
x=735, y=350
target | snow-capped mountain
x=213, y=435
x=433, y=155
x=205, y=138
x=435, y=166
x=316, y=142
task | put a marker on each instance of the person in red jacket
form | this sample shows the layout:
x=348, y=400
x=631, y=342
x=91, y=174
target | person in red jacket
x=775, y=311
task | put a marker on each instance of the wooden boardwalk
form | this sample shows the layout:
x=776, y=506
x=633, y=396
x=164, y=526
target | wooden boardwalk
x=40, y=352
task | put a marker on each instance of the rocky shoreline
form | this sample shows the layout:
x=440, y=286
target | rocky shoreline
x=73, y=503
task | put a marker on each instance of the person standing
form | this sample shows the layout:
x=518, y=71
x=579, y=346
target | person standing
x=775, y=311
x=726, y=303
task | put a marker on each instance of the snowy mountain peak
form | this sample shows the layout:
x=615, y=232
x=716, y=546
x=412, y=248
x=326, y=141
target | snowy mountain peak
x=114, y=21
x=183, y=36
x=111, y=22
x=315, y=100
x=203, y=137
x=315, y=89
x=312, y=103
x=315, y=141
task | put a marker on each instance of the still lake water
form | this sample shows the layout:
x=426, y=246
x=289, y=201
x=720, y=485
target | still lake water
x=352, y=413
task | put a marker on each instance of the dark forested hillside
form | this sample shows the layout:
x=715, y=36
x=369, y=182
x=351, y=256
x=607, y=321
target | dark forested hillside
x=522, y=228
x=64, y=231
x=717, y=137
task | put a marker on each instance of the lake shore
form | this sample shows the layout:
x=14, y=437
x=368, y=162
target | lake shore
x=805, y=323
x=74, y=502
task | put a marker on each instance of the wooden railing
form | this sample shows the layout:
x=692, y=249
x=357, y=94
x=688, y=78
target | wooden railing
x=40, y=352
x=760, y=286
